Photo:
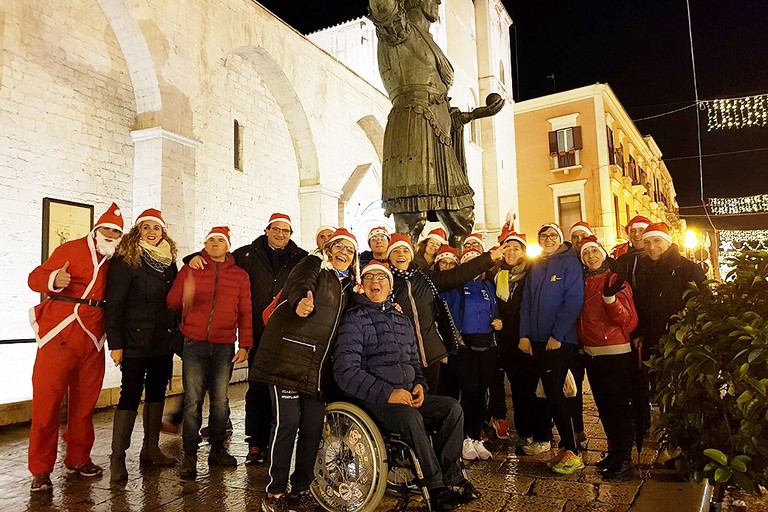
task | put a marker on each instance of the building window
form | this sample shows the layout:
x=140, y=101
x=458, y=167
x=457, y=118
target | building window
x=564, y=145
x=569, y=209
x=617, y=215
x=611, y=149
x=632, y=170
x=237, y=146
x=620, y=158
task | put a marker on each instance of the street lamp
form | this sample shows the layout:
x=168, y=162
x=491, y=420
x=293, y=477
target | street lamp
x=533, y=250
x=691, y=240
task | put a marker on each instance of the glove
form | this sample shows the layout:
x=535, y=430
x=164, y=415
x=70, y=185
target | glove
x=611, y=289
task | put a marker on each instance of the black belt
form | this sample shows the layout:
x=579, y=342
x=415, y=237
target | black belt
x=88, y=302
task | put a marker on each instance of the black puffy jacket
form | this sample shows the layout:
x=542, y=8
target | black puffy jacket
x=295, y=352
x=414, y=294
x=512, y=359
x=136, y=317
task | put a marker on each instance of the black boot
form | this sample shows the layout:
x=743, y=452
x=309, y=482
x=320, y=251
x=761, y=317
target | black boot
x=189, y=467
x=220, y=457
x=623, y=461
x=609, y=425
x=153, y=420
x=122, y=428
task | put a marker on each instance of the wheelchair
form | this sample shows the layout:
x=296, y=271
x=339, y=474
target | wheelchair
x=356, y=464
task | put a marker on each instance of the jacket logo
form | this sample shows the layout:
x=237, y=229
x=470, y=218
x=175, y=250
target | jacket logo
x=555, y=278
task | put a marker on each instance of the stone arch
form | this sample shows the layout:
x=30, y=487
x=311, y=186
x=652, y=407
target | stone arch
x=292, y=109
x=137, y=56
x=375, y=133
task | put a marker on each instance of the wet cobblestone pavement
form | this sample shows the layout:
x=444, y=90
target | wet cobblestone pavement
x=508, y=482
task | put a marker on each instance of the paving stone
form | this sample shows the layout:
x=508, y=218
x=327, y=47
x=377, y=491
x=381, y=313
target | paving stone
x=574, y=506
x=534, y=504
x=538, y=469
x=501, y=482
x=491, y=501
x=572, y=491
x=617, y=492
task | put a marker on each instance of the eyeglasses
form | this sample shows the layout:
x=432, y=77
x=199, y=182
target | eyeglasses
x=472, y=244
x=281, y=231
x=379, y=238
x=375, y=277
x=341, y=247
x=553, y=236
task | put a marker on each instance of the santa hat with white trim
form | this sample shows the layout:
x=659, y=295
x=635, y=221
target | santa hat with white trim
x=509, y=235
x=439, y=235
x=554, y=226
x=658, y=229
x=447, y=252
x=470, y=254
x=377, y=265
x=324, y=227
x=580, y=226
x=398, y=240
x=638, y=221
x=343, y=234
x=378, y=231
x=474, y=237
x=222, y=231
x=112, y=218
x=591, y=241
x=279, y=217
x=152, y=214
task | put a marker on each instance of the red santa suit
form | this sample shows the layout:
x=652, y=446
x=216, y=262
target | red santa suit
x=70, y=337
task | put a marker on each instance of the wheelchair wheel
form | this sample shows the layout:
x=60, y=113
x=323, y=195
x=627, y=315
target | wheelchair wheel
x=351, y=466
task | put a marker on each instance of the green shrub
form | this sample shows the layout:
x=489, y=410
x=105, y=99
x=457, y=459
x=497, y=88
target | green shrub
x=712, y=370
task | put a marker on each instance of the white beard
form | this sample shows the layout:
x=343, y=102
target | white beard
x=105, y=246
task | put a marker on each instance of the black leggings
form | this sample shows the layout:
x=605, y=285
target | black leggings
x=147, y=374
x=475, y=376
x=553, y=365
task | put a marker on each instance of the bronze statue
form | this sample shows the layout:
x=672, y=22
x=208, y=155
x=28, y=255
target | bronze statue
x=423, y=178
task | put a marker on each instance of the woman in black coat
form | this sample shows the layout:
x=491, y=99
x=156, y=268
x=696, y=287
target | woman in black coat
x=139, y=330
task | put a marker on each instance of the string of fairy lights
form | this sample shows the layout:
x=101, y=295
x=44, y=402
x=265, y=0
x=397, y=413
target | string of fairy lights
x=738, y=205
x=735, y=113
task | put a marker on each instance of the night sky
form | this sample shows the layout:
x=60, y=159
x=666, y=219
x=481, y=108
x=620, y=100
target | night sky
x=642, y=50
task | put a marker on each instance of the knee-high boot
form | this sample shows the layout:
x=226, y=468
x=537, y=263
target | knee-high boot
x=610, y=425
x=623, y=459
x=150, y=451
x=122, y=428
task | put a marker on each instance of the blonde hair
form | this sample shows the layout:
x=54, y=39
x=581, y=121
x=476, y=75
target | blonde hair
x=130, y=249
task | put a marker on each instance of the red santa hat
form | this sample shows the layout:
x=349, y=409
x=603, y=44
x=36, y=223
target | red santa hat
x=279, y=217
x=222, y=231
x=151, y=214
x=509, y=235
x=398, y=240
x=470, y=254
x=343, y=234
x=580, y=226
x=378, y=231
x=658, y=229
x=447, y=252
x=439, y=235
x=382, y=267
x=638, y=221
x=591, y=241
x=112, y=218
x=554, y=226
x=474, y=237
x=324, y=227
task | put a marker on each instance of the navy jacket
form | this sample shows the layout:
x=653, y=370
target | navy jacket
x=473, y=306
x=376, y=352
x=552, y=298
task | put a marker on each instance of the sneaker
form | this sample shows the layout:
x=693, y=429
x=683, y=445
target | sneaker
x=465, y=491
x=501, y=427
x=274, y=504
x=536, y=448
x=41, y=482
x=568, y=464
x=255, y=456
x=303, y=501
x=206, y=431
x=482, y=452
x=87, y=469
x=468, y=450
x=443, y=500
x=554, y=460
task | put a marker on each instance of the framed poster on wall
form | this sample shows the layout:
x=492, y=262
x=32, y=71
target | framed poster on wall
x=64, y=221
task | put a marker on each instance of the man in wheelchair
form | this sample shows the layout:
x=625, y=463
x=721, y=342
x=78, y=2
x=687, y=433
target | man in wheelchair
x=376, y=362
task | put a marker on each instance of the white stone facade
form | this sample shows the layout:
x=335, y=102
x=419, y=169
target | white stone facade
x=135, y=102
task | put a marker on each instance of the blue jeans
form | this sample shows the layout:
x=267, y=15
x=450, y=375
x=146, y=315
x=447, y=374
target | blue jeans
x=205, y=367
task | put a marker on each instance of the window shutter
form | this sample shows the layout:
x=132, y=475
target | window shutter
x=577, y=137
x=552, y=143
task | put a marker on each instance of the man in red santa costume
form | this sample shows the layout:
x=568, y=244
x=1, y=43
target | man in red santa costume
x=69, y=328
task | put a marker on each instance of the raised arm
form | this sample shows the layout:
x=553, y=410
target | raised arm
x=383, y=9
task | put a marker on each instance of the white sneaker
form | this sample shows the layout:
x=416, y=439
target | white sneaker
x=468, y=451
x=482, y=452
x=537, y=448
x=524, y=441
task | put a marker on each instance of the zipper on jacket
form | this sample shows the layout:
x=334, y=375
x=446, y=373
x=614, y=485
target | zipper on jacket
x=417, y=325
x=330, y=340
x=213, y=301
x=302, y=343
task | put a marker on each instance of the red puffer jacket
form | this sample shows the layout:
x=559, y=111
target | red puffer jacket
x=604, y=328
x=221, y=302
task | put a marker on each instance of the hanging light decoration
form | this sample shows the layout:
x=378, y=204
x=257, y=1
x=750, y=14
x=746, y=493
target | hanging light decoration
x=734, y=241
x=744, y=112
x=739, y=205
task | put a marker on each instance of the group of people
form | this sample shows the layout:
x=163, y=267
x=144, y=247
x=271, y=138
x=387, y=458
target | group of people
x=408, y=332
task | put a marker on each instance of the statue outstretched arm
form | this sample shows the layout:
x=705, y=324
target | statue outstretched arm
x=491, y=108
x=384, y=9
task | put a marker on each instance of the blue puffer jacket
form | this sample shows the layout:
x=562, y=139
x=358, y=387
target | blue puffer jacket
x=552, y=298
x=473, y=307
x=376, y=352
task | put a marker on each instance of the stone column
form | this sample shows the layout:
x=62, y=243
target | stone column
x=319, y=205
